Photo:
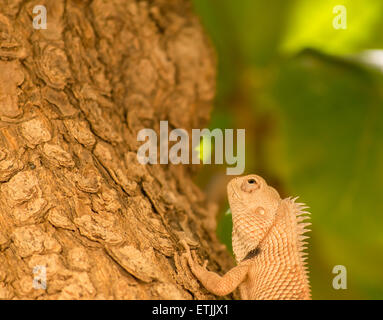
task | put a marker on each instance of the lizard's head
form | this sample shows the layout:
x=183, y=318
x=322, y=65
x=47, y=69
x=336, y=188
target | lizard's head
x=253, y=205
x=250, y=192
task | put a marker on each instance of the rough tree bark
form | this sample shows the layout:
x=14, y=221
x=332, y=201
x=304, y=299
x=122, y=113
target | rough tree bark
x=73, y=197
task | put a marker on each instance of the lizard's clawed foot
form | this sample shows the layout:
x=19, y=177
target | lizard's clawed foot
x=192, y=259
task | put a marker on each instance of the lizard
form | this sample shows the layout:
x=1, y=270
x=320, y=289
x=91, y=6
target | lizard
x=268, y=244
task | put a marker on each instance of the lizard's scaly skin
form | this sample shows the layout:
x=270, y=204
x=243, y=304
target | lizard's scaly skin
x=268, y=244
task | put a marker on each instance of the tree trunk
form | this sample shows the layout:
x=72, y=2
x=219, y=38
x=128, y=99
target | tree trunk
x=74, y=201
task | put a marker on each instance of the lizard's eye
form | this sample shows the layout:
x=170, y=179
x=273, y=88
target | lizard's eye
x=250, y=185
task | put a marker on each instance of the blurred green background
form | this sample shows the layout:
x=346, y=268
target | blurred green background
x=310, y=99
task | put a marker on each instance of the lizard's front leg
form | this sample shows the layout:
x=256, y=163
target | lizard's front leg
x=214, y=283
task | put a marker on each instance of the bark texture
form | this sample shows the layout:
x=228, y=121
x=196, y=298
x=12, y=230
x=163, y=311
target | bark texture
x=73, y=197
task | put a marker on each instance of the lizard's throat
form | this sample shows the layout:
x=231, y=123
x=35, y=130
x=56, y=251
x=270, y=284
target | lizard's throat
x=246, y=236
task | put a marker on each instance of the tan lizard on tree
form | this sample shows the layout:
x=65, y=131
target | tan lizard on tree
x=268, y=245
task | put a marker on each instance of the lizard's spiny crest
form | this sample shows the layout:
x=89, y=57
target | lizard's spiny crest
x=300, y=215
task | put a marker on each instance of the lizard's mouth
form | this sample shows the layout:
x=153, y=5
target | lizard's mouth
x=234, y=194
x=232, y=190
